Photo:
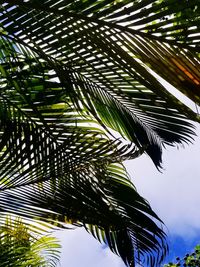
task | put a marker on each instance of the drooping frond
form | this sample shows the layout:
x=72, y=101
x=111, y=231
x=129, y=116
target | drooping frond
x=128, y=239
x=105, y=201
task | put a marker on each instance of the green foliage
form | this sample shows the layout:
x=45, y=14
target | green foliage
x=20, y=246
x=184, y=19
x=190, y=260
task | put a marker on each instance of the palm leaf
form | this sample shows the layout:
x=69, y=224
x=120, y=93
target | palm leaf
x=20, y=246
x=101, y=197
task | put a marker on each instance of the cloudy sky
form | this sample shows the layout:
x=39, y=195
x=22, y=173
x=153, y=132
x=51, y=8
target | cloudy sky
x=173, y=194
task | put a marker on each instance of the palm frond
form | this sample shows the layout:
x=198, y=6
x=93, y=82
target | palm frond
x=135, y=244
x=20, y=246
x=99, y=196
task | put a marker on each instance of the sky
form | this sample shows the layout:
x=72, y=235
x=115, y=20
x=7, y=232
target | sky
x=174, y=196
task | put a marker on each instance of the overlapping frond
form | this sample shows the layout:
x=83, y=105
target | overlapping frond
x=41, y=130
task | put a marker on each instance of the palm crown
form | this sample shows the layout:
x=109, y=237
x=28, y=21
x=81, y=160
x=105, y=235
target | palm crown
x=72, y=73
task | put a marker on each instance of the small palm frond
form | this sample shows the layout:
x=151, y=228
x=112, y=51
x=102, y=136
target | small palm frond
x=20, y=246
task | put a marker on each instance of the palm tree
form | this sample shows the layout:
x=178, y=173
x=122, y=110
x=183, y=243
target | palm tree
x=22, y=245
x=73, y=73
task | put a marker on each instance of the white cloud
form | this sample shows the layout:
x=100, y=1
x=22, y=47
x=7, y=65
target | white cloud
x=81, y=249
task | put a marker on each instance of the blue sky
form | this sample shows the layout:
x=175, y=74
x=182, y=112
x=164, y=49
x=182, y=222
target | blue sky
x=173, y=194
